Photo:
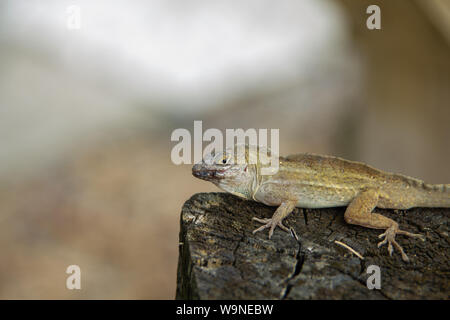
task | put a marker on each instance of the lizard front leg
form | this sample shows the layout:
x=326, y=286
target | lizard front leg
x=359, y=212
x=282, y=212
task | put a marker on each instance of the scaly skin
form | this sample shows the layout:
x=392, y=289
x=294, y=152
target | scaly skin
x=315, y=181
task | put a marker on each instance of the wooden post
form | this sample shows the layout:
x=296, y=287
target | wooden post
x=220, y=258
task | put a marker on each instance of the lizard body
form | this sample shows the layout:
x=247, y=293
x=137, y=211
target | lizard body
x=316, y=181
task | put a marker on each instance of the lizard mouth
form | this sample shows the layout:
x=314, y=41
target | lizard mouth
x=206, y=174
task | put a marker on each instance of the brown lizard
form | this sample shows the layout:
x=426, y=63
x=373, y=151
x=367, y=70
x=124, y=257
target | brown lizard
x=316, y=181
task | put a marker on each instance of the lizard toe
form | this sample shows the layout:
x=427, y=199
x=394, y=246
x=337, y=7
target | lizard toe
x=399, y=248
x=261, y=220
x=269, y=224
x=282, y=226
x=412, y=235
x=261, y=228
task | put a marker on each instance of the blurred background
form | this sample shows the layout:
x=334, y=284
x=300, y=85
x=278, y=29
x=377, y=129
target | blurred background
x=88, y=104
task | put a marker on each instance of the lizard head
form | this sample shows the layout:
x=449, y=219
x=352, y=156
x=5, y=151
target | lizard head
x=230, y=170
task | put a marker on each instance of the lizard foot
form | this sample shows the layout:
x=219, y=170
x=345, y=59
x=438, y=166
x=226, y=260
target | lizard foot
x=270, y=223
x=389, y=238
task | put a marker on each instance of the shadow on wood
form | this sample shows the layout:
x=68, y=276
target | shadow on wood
x=220, y=258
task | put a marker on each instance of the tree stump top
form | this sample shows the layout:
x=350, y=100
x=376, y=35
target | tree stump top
x=220, y=258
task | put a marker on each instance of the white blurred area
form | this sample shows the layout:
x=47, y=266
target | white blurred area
x=59, y=87
x=86, y=117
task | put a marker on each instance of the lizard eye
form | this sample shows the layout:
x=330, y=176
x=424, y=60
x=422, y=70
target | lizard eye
x=224, y=161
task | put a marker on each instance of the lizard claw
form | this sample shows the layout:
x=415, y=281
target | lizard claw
x=269, y=223
x=389, y=238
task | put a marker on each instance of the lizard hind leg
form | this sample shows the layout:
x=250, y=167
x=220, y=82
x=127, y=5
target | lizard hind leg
x=359, y=212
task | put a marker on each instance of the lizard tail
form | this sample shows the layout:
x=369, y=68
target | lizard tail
x=435, y=195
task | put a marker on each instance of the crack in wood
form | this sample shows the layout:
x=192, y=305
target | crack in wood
x=300, y=256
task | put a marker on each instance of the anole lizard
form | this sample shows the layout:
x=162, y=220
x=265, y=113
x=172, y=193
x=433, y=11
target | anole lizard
x=316, y=181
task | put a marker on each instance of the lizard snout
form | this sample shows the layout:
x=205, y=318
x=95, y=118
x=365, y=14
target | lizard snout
x=200, y=171
x=197, y=169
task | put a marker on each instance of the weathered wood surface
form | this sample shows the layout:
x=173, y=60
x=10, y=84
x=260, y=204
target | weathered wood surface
x=220, y=258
